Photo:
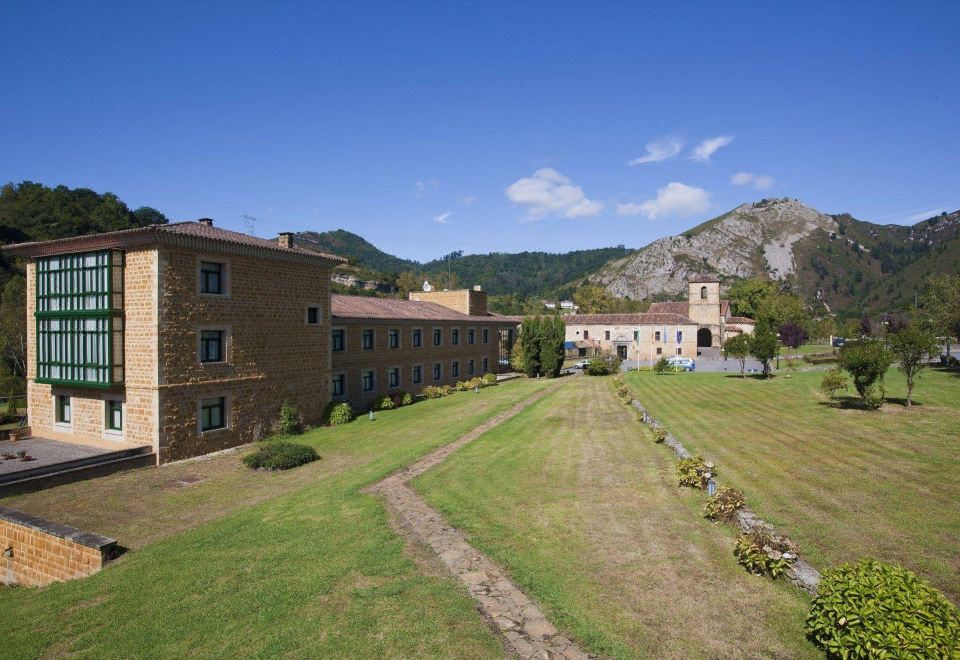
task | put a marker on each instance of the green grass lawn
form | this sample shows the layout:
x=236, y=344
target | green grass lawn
x=573, y=497
x=844, y=483
x=296, y=564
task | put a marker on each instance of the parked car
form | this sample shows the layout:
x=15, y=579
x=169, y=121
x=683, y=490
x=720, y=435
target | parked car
x=504, y=362
x=838, y=342
x=582, y=364
x=682, y=363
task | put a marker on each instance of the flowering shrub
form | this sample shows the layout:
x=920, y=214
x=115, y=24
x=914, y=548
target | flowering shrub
x=723, y=504
x=384, y=402
x=336, y=414
x=694, y=472
x=761, y=552
x=659, y=434
x=436, y=391
x=489, y=380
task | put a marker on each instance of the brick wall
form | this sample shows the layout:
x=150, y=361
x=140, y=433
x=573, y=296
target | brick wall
x=353, y=360
x=37, y=552
x=273, y=355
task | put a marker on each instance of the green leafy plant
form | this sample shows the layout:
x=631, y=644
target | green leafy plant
x=867, y=360
x=625, y=394
x=598, y=367
x=659, y=434
x=290, y=422
x=876, y=610
x=401, y=398
x=724, y=504
x=762, y=552
x=336, y=413
x=662, y=366
x=695, y=472
x=489, y=380
x=834, y=381
x=280, y=456
x=384, y=402
x=436, y=391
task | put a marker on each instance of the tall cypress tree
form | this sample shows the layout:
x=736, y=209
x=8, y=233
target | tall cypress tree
x=551, y=345
x=531, y=336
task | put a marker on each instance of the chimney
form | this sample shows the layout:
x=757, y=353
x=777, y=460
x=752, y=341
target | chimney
x=285, y=239
x=206, y=222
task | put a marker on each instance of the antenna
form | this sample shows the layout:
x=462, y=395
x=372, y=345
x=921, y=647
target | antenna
x=249, y=223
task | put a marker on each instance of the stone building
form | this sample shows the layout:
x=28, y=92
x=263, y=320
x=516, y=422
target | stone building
x=708, y=310
x=646, y=337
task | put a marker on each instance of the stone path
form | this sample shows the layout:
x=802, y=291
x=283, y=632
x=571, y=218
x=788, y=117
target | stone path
x=511, y=613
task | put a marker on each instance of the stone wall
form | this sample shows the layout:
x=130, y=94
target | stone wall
x=472, y=302
x=646, y=347
x=272, y=354
x=37, y=552
x=353, y=359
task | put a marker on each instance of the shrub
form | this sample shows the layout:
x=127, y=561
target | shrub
x=724, y=504
x=462, y=386
x=625, y=394
x=401, y=398
x=871, y=609
x=336, y=414
x=873, y=396
x=820, y=358
x=489, y=380
x=280, y=456
x=833, y=382
x=659, y=434
x=763, y=552
x=290, y=422
x=384, y=402
x=598, y=367
x=867, y=361
x=436, y=391
x=695, y=472
x=662, y=366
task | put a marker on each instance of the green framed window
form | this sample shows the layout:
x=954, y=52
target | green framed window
x=114, y=413
x=79, y=317
x=437, y=371
x=339, y=385
x=64, y=415
x=417, y=374
x=416, y=338
x=394, y=338
x=213, y=414
x=367, y=380
x=471, y=336
x=454, y=369
x=470, y=367
x=367, y=340
x=438, y=337
x=211, y=277
x=338, y=339
x=211, y=346
x=455, y=337
x=486, y=335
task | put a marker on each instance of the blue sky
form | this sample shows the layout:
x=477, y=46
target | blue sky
x=431, y=127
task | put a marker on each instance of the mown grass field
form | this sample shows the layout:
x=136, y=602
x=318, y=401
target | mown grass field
x=843, y=482
x=575, y=499
x=248, y=563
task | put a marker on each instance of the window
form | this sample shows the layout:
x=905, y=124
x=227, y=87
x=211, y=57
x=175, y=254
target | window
x=339, y=339
x=79, y=317
x=339, y=385
x=393, y=376
x=486, y=366
x=211, y=346
x=417, y=338
x=606, y=335
x=211, y=277
x=586, y=334
x=486, y=335
x=438, y=336
x=471, y=336
x=455, y=336
x=367, y=337
x=213, y=414
x=437, y=371
x=454, y=368
x=636, y=335
x=656, y=336
x=659, y=350
x=114, y=412
x=417, y=374
x=679, y=351
x=470, y=367
x=63, y=409
x=367, y=380
x=394, y=338
x=703, y=293
x=313, y=316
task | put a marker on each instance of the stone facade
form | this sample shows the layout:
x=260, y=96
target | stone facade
x=472, y=302
x=37, y=552
x=646, y=339
x=704, y=309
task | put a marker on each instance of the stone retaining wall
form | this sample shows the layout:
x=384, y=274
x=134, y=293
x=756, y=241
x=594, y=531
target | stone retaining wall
x=37, y=552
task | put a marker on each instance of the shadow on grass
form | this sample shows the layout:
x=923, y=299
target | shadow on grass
x=748, y=376
x=855, y=403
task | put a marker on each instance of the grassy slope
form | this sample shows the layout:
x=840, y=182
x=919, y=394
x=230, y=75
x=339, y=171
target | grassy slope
x=314, y=570
x=844, y=483
x=575, y=499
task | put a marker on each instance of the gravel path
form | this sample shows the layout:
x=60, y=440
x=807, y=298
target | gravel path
x=511, y=613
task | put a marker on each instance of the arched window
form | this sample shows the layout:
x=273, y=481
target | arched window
x=703, y=293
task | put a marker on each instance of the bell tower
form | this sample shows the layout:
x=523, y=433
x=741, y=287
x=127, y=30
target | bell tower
x=704, y=310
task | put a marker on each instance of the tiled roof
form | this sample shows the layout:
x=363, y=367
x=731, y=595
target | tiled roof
x=363, y=307
x=682, y=308
x=627, y=319
x=703, y=279
x=740, y=319
x=175, y=232
x=724, y=307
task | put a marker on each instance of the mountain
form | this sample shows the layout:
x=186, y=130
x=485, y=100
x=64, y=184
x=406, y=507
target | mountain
x=522, y=273
x=836, y=261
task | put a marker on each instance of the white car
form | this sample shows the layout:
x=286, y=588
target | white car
x=582, y=364
x=682, y=363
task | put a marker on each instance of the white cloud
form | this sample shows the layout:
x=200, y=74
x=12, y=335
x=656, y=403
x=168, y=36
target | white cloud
x=673, y=199
x=925, y=215
x=659, y=150
x=703, y=151
x=758, y=181
x=469, y=199
x=443, y=218
x=548, y=193
x=423, y=188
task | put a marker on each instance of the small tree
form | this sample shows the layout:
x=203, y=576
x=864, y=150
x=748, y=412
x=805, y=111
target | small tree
x=866, y=360
x=763, y=346
x=834, y=381
x=910, y=348
x=516, y=357
x=792, y=335
x=662, y=366
x=553, y=331
x=738, y=347
x=531, y=335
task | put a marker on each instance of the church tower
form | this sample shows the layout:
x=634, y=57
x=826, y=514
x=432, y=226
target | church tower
x=704, y=309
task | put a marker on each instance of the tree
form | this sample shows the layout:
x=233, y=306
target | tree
x=834, y=381
x=941, y=304
x=764, y=345
x=407, y=282
x=792, y=335
x=13, y=333
x=782, y=308
x=553, y=333
x=516, y=357
x=825, y=328
x=738, y=347
x=593, y=299
x=910, y=348
x=531, y=335
x=866, y=360
x=866, y=326
x=747, y=295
